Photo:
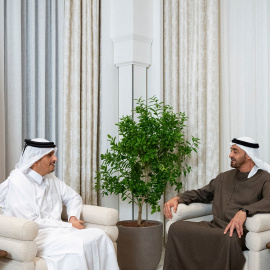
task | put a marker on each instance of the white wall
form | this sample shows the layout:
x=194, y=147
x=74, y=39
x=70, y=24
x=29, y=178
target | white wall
x=108, y=89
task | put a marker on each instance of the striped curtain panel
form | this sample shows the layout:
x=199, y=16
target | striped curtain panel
x=32, y=73
x=191, y=80
x=81, y=97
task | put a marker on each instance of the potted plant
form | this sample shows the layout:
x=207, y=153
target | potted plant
x=151, y=152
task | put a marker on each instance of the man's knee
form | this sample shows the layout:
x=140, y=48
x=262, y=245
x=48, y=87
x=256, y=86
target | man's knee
x=176, y=228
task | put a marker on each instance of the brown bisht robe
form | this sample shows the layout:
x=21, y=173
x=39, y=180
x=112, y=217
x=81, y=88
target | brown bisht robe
x=203, y=245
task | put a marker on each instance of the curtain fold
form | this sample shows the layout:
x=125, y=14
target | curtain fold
x=245, y=74
x=13, y=83
x=191, y=80
x=81, y=97
x=32, y=93
x=2, y=94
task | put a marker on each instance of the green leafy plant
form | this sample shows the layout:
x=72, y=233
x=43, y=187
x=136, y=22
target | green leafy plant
x=151, y=153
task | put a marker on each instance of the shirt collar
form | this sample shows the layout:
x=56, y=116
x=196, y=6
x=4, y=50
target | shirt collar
x=36, y=176
x=253, y=171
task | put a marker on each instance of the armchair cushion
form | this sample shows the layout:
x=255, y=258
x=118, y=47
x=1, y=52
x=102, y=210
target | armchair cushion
x=99, y=215
x=17, y=235
x=18, y=228
x=22, y=251
x=258, y=223
x=8, y=264
x=96, y=215
x=40, y=264
x=257, y=241
x=192, y=210
x=111, y=231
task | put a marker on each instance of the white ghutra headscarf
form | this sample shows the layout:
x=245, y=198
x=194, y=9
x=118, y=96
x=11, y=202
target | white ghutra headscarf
x=33, y=151
x=252, y=150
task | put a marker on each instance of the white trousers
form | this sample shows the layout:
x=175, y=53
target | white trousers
x=73, y=249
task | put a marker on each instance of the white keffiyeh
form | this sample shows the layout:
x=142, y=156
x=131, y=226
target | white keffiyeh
x=253, y=153
x=32, y=154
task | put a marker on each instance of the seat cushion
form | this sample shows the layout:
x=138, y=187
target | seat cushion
x=111, y=231
x=22, y=251
x=8, y=264
x=40, y=264
x=257, y=241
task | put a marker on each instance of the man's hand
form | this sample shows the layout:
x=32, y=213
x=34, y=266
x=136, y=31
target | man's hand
x=167, y=207
x=76, y=223
x=237, y=224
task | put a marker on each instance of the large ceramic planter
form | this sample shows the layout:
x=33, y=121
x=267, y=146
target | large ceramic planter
x=139, y=248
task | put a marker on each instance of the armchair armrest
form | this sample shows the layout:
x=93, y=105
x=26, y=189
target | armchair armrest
x=16, y=237
x=258, y=223
x=99, y=215
x=96, y=215
x=102, y=218
x=18, y=228
x=258, y=234
x=192, y=210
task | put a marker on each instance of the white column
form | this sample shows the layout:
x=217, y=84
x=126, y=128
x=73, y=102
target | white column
x=155, y=70
x=132, y=34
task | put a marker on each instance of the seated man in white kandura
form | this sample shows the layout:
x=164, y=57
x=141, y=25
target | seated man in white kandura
x=33, y=192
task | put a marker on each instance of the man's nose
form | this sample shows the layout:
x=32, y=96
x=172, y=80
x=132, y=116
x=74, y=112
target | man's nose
x=55, y=158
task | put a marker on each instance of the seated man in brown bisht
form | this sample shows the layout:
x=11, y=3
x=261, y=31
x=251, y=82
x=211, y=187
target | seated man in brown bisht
x=236, y=195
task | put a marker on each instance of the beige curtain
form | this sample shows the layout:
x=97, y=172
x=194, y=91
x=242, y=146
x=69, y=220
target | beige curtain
x=191, y=79
x=31, y=76
x=81, y=69
x=245, y=73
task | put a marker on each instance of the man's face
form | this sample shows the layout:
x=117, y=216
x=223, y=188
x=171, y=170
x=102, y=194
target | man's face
x=238, y=157
x=46, y=164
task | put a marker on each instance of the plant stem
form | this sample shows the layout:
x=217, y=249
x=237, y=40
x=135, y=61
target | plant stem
x=140, y=204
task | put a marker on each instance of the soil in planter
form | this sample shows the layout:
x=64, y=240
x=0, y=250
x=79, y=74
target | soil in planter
x=133, y=223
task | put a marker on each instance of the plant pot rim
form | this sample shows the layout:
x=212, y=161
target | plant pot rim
x=158, y=223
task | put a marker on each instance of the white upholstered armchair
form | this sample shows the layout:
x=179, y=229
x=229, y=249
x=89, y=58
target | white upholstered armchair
x=257, y=256
x=17, y=235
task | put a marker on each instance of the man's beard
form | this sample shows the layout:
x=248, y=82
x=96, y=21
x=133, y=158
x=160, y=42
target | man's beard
x=234, y=165
x=237, y=164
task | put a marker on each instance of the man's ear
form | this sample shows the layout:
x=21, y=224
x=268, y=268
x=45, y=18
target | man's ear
x=248, y=157
x=34, y=165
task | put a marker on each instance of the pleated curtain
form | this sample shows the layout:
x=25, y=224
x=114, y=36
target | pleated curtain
x=2, y=95
x=245, y=74
x=31, y=75
x=191, y=80
x=81, y=97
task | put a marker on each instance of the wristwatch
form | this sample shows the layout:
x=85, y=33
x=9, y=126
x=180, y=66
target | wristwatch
x=245, y=210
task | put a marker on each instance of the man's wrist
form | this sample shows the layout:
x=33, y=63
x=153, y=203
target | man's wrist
x=179, y=199
x=245, y=210
x=72, y=219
